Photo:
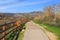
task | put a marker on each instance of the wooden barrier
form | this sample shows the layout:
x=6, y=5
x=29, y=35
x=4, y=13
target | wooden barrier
x=13, y=26
x=3, y=33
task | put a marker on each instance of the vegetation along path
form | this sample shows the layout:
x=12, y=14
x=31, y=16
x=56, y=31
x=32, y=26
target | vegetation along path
x=33, y=32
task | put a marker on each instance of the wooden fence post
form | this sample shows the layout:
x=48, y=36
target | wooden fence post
x=17, y=29
x=12, y=24
x=3, y=33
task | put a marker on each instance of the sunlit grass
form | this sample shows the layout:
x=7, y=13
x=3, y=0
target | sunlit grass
x=53, y=29
x=21, y=35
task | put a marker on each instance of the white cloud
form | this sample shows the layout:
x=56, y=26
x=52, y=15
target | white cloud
x=22, y=4
x=6, y=1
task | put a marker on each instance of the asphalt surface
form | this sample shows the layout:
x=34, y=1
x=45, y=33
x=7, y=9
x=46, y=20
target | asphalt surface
x=33, y=32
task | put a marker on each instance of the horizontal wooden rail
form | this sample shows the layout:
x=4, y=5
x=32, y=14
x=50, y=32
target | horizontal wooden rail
x=7, y=28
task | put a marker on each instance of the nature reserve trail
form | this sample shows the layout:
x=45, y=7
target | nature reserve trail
x=33, y=32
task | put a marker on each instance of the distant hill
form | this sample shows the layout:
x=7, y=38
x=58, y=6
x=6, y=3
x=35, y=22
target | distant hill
x=7, y=14
x=29, y=15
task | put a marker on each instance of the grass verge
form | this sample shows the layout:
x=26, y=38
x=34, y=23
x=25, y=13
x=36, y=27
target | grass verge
x=53, y=29
x=21, y=35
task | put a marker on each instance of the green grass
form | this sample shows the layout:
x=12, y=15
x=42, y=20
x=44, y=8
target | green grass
x=53, y=29
x=10, y=35
x=21, y=35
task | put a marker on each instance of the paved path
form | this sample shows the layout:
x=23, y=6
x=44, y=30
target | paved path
x=33, y=32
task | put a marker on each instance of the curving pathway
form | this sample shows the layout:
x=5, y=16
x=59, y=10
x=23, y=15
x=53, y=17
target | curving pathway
x=33, y=32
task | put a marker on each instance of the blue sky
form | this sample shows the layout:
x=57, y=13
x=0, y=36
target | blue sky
x=17, y=6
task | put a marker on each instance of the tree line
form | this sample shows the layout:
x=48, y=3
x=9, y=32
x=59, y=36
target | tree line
x=50, y=15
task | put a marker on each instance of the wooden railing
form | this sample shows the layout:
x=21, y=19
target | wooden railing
x=10, y=31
